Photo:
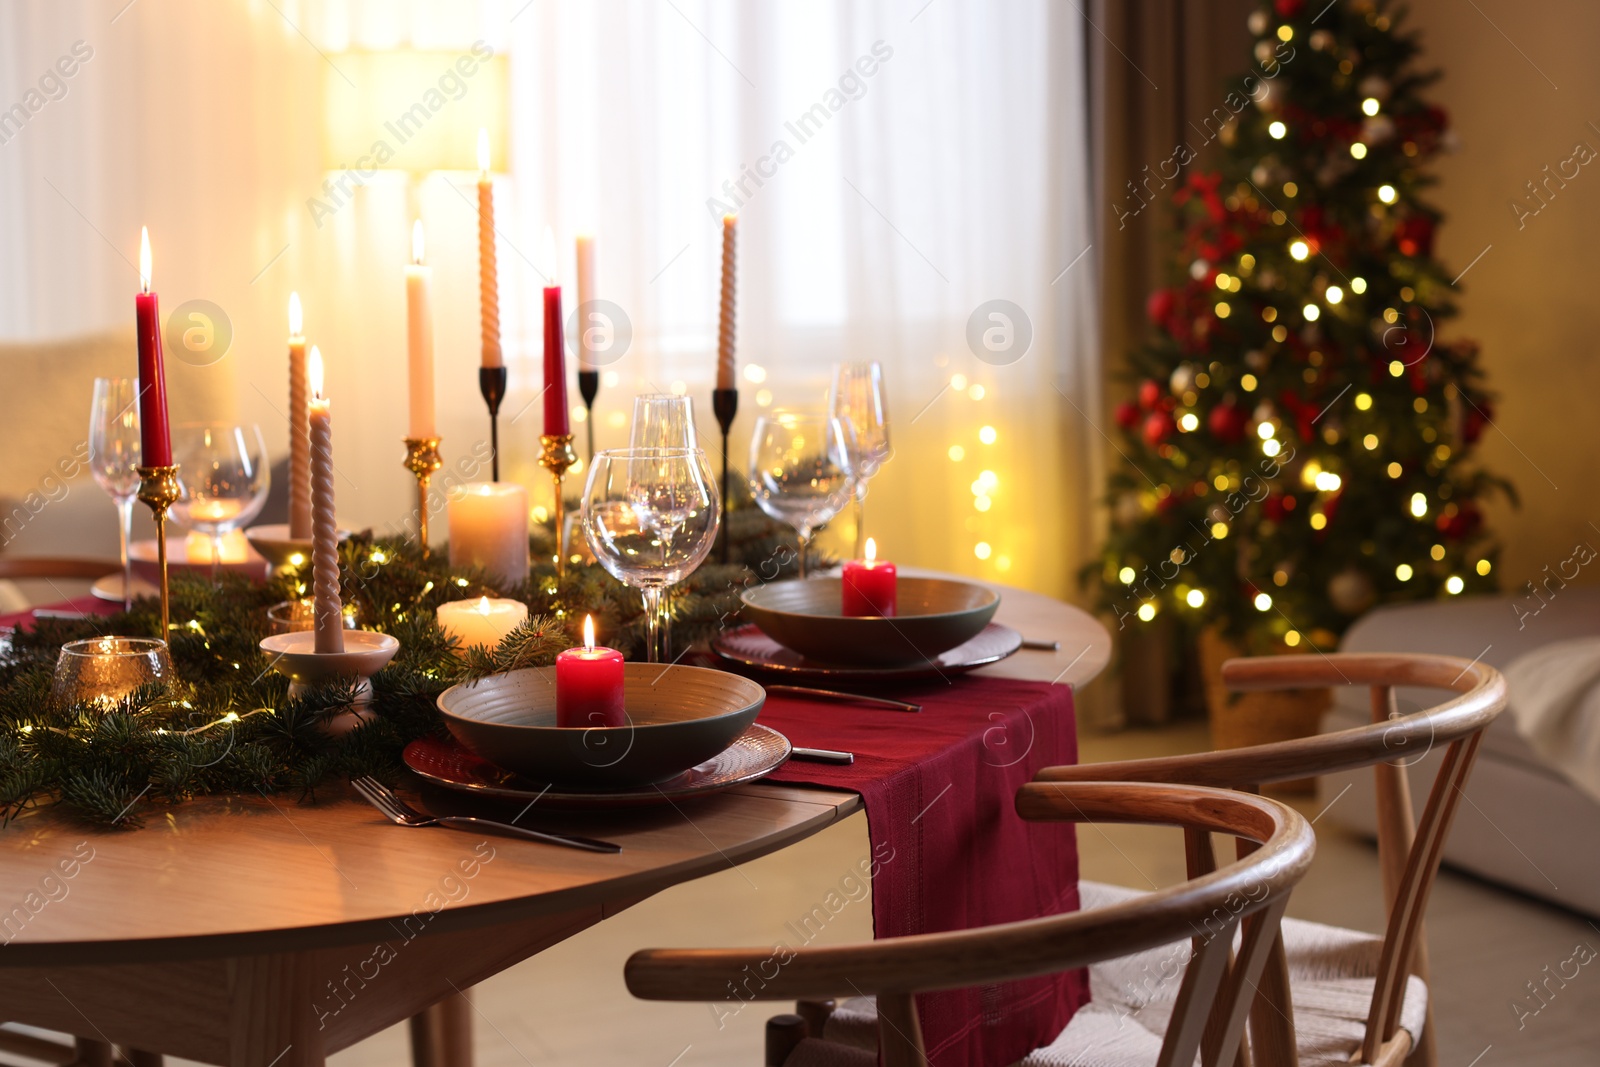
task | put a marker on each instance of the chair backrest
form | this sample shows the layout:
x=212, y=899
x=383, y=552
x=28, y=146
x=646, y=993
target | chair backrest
x=1408, y=849
x=1211, y=1008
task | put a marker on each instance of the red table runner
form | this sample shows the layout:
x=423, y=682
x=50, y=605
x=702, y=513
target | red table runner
x=948, y=849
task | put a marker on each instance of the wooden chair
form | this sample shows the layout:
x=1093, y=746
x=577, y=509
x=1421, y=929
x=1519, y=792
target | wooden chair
x=1408, y=849
x=1249, y=895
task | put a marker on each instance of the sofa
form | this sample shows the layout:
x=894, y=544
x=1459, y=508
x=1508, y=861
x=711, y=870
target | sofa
x=1522, y=824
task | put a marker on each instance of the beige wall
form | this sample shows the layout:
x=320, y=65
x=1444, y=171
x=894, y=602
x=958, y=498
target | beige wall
x=1522, y=96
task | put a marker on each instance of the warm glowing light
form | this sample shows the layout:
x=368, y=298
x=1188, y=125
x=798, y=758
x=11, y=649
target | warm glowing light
x=1404, y=572
x=1328, y=482
x=1370, y=106
x=988, y=479
x=1222, y=281
x=1248, y=383
x=1437, y=552
x=419, y=247
x=484, y=608
x=1387, y=194
x=958, y=382
x=982, y=550
x=976, y=392
x=982, y=503
x=1263, y=602
x=1271, y=448
x=1363, y=401
x=1358, y=285
x=1277, y=130
x=296, y=325
x=755, y=373
x=1190, y=422
x=1299, y=250
x=483, y=149
x=1333, y=295
x=547, y=258
x=1266, y=430
x=1396, y=368
x=314, y=371
x=1292, y=638
x=1358, y=150
x=1370, y=442
x=1454, y=584
x=988, y=435
x=1286, y=32
x=763, y=399
x=1195, y=598
x=588, y=620
x=872, y=549
x=144, y=258
x=1126, y=575
x=1311, y=312
x=1224, y=310
x=957, y=453
x=1483, y=566
x=1394, y=470
x=1419, y=505
x=1147, y=611
x=1318, y=520
x=1219, y=530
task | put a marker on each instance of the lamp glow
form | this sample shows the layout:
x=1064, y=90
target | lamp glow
x=418, y=246
x=296, y=323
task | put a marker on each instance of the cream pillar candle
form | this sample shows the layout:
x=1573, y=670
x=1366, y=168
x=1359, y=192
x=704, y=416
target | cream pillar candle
x=489, y=530
x=327, y=612
x=419, y=338
x=585, y=294
x=299, y=429
x=482, y=622
x=725, y=316
x=488, y=273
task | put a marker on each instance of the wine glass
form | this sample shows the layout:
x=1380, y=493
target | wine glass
x=800, y=469
x=651, y=515
x=224, y=474
x=663, y=420
x=857, y=397
x=114, y=457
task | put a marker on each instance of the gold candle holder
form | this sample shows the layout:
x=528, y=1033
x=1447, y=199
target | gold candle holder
x=422, y=459
x=158, y=489
x=557, y=457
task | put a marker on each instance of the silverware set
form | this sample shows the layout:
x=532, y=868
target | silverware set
x=399, y=812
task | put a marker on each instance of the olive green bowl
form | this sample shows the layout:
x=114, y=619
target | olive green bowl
x=678, y=717
x=933, y=616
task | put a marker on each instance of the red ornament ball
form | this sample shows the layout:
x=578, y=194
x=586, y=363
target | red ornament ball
x=1227, y=423
x=1158, y=427
x=1288, y=9
x=1127, y=414
x=1150, y=393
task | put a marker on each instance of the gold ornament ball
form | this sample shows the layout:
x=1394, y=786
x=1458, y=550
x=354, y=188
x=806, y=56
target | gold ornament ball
x=1351, y=591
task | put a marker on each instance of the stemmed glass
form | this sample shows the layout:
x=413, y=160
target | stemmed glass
x=114, y=457
x=663, y=420
x=650, y=516
x=800, y=469
x=857, y=398
x=224, y=474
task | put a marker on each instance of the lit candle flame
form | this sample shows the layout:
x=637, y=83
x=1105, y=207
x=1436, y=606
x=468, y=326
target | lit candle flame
x=588, y=631
x=483, y=606
x=872, y=550
x=730, y=219
x=314, y=372
x=296, y=326
x=417, y=245
x=483, y=150
x=144, y=257
x=547, y=255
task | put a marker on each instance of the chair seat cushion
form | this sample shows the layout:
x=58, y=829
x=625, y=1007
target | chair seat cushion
x=1332, y=972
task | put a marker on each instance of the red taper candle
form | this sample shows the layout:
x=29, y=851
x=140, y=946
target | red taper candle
x=589, y=684
x=555, y=356
x=155, y=433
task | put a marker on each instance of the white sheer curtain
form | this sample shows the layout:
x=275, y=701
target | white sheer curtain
x=915, y=160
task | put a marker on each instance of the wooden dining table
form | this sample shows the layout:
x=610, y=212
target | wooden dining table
x=270, y=932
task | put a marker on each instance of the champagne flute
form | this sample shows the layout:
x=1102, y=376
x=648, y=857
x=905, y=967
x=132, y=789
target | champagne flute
x=858, y=397
x=114, y=457
x=800, y=470
x=651, y=515
x=224, y=475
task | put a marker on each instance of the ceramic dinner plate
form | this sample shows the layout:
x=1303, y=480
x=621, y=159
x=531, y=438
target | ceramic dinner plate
x=754, y=754
x=110, y=588
x=749, y=647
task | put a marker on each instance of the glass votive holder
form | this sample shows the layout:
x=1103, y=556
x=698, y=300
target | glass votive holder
x=103, y=670
x=294, y=616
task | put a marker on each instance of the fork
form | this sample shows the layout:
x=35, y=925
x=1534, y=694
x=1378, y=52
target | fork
x=398, y=811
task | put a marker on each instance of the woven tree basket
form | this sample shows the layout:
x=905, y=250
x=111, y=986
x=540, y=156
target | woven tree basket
x=1239, y=720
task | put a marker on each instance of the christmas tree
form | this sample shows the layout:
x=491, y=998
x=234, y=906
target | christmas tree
x=1300, y=445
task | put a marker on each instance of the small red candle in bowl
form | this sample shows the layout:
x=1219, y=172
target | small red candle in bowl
x=869, y=585
x=589, y=684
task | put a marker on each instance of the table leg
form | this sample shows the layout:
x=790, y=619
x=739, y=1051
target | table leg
x=441, y=1034
x=93, y=1053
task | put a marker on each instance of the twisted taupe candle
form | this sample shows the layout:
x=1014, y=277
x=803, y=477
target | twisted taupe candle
x=299, y=429
x=328, y=612
x=488, y=272
x=725, y=319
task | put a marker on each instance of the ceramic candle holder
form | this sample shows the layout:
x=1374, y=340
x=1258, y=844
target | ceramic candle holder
x=293, y=616
x=274, y=544
x=366, y=652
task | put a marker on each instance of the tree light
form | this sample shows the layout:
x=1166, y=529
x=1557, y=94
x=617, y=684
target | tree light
x=1333, y=295
x=1419, y=505
x=1271, y=448
x=1195, y=598
x=1454, y=584
x=1311, y=312
x=1396, y=368
x=1403, y=572
x=1219, y=530
x=1387, y=194
x=1265, y=429
x=1277, y=130
x=1263, y=602
x=1370, y=442
x=1395, y=470
x=1437, y=552
x=1126, y=575
x=1318, y=520
x=1147, y=611
x=1483, y=566
x=1299, y=250
x=1189, y=423
x=1292, y=638
x=1327, y=482
x=1363, y=401
x=1248, y=383
x=1358, y=285
x=1358, y=150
